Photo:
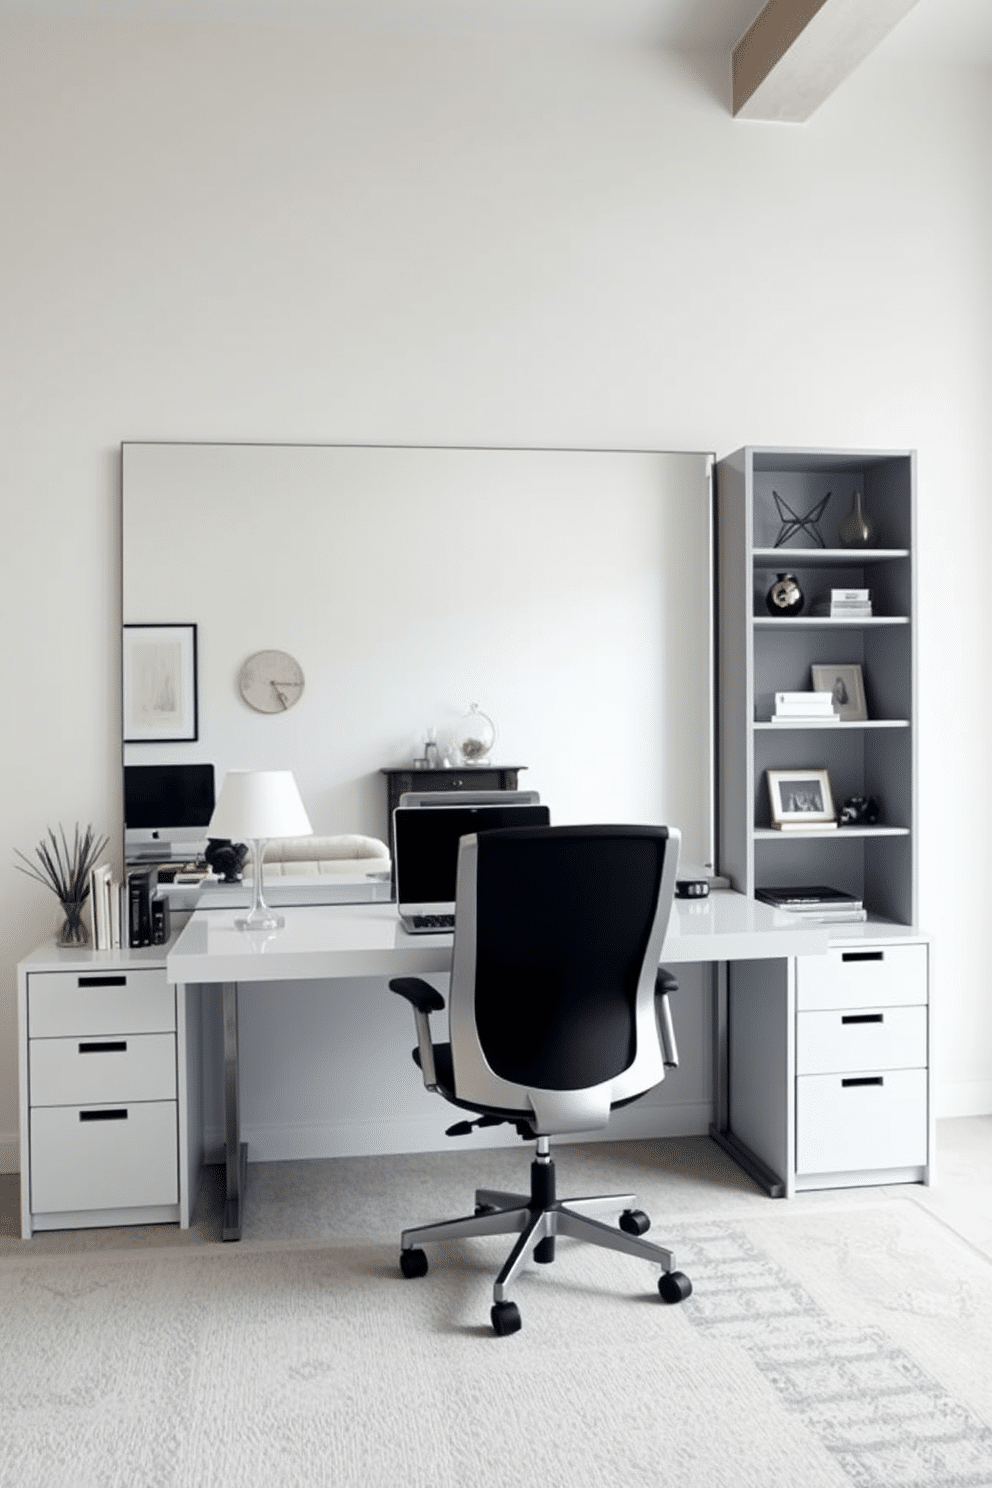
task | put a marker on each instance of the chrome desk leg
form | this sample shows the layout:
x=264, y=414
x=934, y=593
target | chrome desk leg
x=236, y=1151
x=720, y=1129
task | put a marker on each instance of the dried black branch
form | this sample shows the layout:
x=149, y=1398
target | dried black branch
x=63, y=869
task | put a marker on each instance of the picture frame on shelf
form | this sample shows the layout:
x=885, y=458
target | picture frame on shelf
x=801, y=800
x=845, y=683
x=160, y=684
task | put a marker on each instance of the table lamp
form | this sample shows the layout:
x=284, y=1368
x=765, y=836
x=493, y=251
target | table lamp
x=257, y=805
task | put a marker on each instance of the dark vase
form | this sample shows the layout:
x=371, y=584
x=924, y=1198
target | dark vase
x=857, y=529
x=785, y=596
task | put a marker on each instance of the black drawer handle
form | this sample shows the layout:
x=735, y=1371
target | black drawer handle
x=113, y=1046
x=862, y=955
x=863, y=1080
x=863, y=1018
x=101, y=981
x=117, y=1115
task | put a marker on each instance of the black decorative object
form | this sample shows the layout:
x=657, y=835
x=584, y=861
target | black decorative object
x=859, y=811
x=785, y=596
x=792, y=523
x=226, y=858
x=857, y=529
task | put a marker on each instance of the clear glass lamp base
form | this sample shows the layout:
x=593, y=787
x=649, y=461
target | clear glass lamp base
x=260, y=916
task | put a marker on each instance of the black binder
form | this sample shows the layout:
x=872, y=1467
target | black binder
x=139, y=897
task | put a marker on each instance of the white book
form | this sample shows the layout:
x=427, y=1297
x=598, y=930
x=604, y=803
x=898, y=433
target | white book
x=795, y=826
x=101, y=907
x=805, y=718
x=850, y=596
x=114, y=913
x=803, y=710
x=831, y=916
x=809, y=702
x=820, y=699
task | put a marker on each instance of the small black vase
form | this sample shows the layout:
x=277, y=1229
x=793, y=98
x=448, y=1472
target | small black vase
x=785, y=596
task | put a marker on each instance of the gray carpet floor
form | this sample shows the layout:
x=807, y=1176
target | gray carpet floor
x=839, y=1338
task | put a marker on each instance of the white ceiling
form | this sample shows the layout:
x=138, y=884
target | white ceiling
x=952, y=30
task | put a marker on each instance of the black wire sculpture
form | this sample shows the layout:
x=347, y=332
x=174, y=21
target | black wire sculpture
x=792, y=523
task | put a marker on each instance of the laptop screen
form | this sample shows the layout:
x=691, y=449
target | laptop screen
x=425, y=844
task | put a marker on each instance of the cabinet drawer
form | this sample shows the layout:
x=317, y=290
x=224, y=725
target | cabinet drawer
x=100, y=1002
x=862, y=977
x=86, y=1071
x=474, y=779
x=849, y=1122
x=104, y=1157
x=861, y=1039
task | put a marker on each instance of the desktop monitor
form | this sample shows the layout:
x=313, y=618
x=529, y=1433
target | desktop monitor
x=167, y=807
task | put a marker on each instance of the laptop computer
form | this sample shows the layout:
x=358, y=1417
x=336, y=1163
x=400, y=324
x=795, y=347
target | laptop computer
x=425, y=856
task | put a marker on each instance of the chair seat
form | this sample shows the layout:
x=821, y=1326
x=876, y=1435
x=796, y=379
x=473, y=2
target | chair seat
x=444, y=1073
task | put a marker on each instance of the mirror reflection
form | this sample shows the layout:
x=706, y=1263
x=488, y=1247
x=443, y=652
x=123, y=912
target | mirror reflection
x=338, y=610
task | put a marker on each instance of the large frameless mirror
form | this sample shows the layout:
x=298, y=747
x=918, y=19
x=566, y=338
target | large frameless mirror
x=567, y=593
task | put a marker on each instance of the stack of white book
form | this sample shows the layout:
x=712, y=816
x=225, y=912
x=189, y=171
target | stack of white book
x=846, y=604
x=805, y=707
x=817, y=902
x=108, y=910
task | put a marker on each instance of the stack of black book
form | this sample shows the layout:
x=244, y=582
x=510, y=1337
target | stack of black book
x=816, y=902
x=147, y=912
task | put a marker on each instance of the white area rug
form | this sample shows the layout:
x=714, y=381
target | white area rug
x=833, y=1347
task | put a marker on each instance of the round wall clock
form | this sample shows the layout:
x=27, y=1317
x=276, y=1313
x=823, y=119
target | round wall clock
x=271, y=681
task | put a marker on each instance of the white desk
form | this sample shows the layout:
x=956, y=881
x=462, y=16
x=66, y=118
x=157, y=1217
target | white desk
x=367, y=940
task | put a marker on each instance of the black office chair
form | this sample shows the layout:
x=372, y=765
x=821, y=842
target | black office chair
x=558, y=1014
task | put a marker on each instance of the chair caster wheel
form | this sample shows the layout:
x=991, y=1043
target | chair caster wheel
x=413, y=1263
x=634, y=1222
x=505, y=1318
x=674, y=1286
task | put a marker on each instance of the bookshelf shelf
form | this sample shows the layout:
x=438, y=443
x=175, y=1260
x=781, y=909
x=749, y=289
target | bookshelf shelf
x=843, y=726
x=793, y=558
x=842, y=834
x=825, y=622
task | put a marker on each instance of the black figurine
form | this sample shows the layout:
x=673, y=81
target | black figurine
x=859, y=811
x=226, y=858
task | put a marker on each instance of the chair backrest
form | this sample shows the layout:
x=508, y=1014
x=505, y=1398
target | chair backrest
x=558, y=937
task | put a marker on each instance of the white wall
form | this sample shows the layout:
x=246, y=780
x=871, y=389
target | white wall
x=288, y=235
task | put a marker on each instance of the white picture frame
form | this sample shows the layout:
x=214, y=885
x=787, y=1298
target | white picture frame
x=845, y=683
x=801, y=798
x=160, y=689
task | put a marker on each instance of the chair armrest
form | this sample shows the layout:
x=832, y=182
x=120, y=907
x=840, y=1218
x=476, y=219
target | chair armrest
x=424, y=999
x=665, y=983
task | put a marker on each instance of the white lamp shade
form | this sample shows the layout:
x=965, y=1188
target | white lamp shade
x=259, y=803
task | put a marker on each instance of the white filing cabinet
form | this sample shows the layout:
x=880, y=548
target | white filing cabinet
x=110, y=1090
x=862, y=1058
x=830, y=1062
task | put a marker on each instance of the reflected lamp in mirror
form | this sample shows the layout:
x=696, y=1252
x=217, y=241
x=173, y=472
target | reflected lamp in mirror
x=257, y=805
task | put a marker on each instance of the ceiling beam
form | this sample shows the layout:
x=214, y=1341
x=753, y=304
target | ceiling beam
x=799, y=51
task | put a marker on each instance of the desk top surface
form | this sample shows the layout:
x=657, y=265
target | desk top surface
x=367, y=940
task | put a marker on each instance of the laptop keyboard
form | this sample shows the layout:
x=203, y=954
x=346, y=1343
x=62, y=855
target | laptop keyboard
x=433, y=921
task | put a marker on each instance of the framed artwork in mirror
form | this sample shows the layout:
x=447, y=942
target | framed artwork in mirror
x=159, y=675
